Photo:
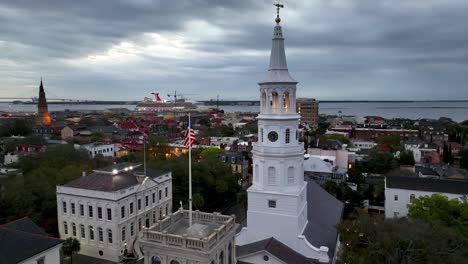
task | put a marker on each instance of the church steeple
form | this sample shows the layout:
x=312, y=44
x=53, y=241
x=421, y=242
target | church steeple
x=43, y=117
x=278, y=69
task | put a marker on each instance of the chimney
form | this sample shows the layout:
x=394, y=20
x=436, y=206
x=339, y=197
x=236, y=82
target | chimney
x=83, y=173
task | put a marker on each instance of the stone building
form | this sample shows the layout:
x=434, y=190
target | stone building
x=107, y=209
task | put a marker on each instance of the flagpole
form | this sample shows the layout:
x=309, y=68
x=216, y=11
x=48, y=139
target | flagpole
x=190, y=177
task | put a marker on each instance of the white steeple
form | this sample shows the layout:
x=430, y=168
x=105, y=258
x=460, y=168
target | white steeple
x=278, y=70
x=277, y=199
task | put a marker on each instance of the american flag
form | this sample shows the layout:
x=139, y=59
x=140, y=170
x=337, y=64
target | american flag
x=189, y=137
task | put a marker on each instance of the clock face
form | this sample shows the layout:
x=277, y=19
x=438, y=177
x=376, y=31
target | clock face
x=272, y=136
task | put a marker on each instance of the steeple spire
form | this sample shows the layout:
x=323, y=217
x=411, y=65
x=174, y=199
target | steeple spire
x=278, y=69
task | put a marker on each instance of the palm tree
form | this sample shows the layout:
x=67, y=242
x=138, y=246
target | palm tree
x=70, y=246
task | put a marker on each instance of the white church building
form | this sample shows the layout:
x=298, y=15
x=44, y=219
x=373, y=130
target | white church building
x=289, y=220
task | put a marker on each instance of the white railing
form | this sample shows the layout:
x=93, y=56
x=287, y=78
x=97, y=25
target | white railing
x=157, y=233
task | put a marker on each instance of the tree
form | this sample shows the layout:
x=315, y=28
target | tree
x=393, y=141
x=70, y=246
x=438, y=209
x=97, y=136
x=210, y=151
x=198, y=200
x=204, y=121
x=406, y=158
x=464, y=158
x=381, y=161
x=369, y=240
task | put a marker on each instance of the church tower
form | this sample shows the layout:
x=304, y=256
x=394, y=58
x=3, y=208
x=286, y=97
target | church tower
x=43, y=117
x=277, y=203
x=277, y=199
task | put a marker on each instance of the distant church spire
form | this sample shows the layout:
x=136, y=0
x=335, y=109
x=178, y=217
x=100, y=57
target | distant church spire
x=43, y=117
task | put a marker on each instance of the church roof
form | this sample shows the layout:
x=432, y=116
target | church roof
x=278, y=70
x=324, y=213
x=276, y=248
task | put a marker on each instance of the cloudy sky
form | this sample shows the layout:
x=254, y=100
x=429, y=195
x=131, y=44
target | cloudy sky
x=336, y=49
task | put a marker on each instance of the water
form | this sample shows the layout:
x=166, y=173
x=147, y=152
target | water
x=457, y=111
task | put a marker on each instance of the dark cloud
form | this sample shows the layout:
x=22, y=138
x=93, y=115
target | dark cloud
x=336, y=49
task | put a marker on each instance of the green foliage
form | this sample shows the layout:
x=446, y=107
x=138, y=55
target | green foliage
x=212, y=180
x=381, y=162
x=393, y=141
x=33, y=194
x=15, y=127
x=406, y=158
x=352, y=199
x=97, y=136
x=157, y=146
x=341, y=138
x=369, y=240
x=438, y=209
x=204, y=121
x=463, y=158
x=71, y=246
x=211, y=152
x=198, y=200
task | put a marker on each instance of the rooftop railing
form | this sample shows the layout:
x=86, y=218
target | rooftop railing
x=158, y=232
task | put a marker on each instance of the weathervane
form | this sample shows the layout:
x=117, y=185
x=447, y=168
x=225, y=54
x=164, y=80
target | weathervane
x=278, y=6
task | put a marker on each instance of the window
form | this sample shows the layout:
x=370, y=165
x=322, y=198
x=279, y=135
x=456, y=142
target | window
x=101, y=234
x=91, y=232
x=99, y=212
x=396, y=214
x=412, y=196
x=73, y=229
x=288, y=136
x=165, y=191
x=41, y=260
x=160, y=194
x=272, y=203
x=291, y=175
x=81, y=210
x=64, y=207
x=154, y=197
x=147, y=224
x=167, y=209
x=82, y=231
x=132, y=229
x=122, y=212
x=139, y=224
x=109, y=214
x=230, y=253
x=109, y=236
x=396, y=198
x=154, y=217
x=261, y=134
x=221, y=258
x=73, y=208
x=139, y=204
x=123, y=233
x=131, y=208
x=174, y=262
x=271, y=176
x=65, y=228
x=286, y=101
x=90, y=210
x=155, y=260
x=146, y=201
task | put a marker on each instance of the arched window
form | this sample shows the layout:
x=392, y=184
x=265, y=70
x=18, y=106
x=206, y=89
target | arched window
x=291, y=177
x=412, y=197
x=101, y=235
x=288, y=136
x=73, y=229
x=109, y=236
x=263, y=101
x=274, y=102
x=65, y=228
x=82, y=231
x=91, y=232
x=230, y=253
x=271, y=176
x=221, y=258
x=174, y=262
x=155, y=260
x=286, y=103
